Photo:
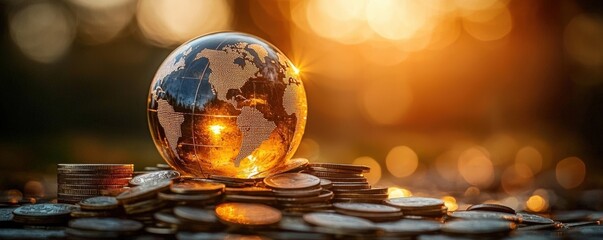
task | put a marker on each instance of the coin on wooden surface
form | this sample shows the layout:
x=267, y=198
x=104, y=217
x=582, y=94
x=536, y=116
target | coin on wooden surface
x=247, y=214
x=483, y=226
x=292, y=181
x=154, y=177
x=106, y=224
x=491, y=207
x=99, y=203
x=415, y=202
x=191, y=187
x=339, y=222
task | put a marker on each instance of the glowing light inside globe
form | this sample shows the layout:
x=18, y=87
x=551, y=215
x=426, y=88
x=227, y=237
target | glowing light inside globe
x=227, y=104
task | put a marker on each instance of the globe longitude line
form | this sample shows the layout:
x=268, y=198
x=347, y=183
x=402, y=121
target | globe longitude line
x=195, y=103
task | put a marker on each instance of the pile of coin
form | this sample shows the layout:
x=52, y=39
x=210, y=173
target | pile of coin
x=79, y=181
x=320, y=201
x=348, y=182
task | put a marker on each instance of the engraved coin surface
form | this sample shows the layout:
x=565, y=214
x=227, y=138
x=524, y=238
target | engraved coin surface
x=99, y=203
x=45, y=209
x=154, y=177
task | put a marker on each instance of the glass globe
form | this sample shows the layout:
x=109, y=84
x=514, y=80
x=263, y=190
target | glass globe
x=227, y=104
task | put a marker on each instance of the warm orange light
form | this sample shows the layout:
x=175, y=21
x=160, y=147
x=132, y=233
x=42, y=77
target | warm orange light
x=396, y=192
x=401, y=161
x=216, y=129
x=295, y=69
x=450, y=203
x=475, y=167
x=570, y=172
x=374, y=175
x=536, y=203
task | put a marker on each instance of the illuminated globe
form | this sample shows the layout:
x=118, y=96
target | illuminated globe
x=227, y=104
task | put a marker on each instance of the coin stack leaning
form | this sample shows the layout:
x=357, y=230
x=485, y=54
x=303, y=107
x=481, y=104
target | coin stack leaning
x=80, y=181
x=348, y=182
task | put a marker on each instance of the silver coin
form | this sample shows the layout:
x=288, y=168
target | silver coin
x=491, y=207
x=534, y=219
x=196, y=214
x=45, y=210
x=339, y=222
x=6, y=214
x=415, y=202
x=482, y=226
x=484, y=215
x=167, y=217
x=99, y=203
x=410, y=226
x=366, y=207
x=154, y=177
x=106, y=224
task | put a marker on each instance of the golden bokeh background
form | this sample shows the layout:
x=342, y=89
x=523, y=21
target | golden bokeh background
x=472, y=100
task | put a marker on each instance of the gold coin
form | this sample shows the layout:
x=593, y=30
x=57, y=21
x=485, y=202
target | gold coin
x=292, y=181
x=247, y=214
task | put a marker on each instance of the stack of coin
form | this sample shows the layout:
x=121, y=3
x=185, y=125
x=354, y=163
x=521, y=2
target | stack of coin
x=299, y=192
x=43, y=214
x=291, y=192
x=419, y=206
x=79, y=181
x=103, y=228
x=347, y=182
x=100, y=206
x=141, y=202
